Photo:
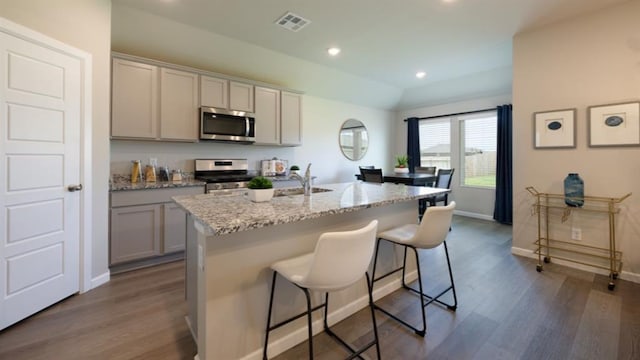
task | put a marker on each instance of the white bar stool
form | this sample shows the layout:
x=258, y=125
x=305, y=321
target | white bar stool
x=340, y=259
x=430, y=233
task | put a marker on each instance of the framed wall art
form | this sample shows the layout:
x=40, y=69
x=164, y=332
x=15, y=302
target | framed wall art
x=614, y=124
x=554, y=129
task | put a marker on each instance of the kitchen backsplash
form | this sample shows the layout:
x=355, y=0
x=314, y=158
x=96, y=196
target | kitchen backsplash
x=181, y=155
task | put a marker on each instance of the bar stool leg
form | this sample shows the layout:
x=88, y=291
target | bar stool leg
x=453, y=287
x=404, y=268
x=422, y=305
x=373, y=314
x=306, y=293
x=266, y=339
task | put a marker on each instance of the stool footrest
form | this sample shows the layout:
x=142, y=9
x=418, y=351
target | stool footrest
x=296, y=317
x=419, y=332
x=354, y=353
x=387, y=274
x=432, y=298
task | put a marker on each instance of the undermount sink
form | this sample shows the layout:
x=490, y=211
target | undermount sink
x=297, y=191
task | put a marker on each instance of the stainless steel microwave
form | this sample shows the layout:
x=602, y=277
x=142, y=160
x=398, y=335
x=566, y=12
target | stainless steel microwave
x=225, y=125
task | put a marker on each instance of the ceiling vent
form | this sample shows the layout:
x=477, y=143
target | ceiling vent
x=293, y=22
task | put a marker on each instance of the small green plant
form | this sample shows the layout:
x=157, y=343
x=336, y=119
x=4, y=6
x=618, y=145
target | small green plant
x=295, y=167
x=260, y=182
x=402, y=161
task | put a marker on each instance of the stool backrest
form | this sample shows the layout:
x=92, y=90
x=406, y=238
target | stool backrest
x=434, y=227
x=341, y=258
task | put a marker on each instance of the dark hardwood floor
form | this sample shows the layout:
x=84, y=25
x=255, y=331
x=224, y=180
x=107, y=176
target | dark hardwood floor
x=506, y=311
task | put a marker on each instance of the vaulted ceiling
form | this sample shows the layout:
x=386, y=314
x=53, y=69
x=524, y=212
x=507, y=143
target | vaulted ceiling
x=464, y=46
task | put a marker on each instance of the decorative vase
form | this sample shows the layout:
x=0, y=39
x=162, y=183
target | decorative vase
x=403, y=170
x=573, y=190
x=260, y=195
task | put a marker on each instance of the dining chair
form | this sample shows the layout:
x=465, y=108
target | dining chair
x=443, y=181
x=340, y=259
x=429, y=234
x=431, y=170
x=425, y=170
x=372, y=175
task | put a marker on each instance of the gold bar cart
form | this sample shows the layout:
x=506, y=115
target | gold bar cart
x=547, y=203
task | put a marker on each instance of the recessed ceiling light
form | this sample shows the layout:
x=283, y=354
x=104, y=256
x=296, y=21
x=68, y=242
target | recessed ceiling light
x=421, y=74
x=333, y=51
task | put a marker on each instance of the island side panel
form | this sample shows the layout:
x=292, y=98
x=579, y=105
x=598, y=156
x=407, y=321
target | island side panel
x=233, y=294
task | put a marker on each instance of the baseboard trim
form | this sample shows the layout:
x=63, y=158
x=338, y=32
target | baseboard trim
x=625, y=275
x=300, y=335
x=473, y=215
x=100, y=279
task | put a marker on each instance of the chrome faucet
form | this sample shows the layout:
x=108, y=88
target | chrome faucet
x=304, y=181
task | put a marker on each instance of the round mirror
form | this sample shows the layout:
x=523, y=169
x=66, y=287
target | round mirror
x=354, y=140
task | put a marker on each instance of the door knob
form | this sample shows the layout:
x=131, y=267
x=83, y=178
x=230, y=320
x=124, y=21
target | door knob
x=73, y=188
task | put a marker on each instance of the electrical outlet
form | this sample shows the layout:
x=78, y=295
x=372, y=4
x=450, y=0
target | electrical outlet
x=576, y=233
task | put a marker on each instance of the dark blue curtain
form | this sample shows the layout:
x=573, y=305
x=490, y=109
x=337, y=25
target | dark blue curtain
x=503, y=210
x=413, y=143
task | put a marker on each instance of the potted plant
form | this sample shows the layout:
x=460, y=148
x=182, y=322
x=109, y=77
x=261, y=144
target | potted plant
x=260, y=189
x=294, y=169
x=402, y=164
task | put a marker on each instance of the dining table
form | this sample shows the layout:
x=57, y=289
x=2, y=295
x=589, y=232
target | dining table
x=414, y=179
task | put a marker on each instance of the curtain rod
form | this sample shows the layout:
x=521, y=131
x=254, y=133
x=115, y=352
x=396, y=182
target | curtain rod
x=455, y=114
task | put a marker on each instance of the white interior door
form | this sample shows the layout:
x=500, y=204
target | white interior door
x=40, y=109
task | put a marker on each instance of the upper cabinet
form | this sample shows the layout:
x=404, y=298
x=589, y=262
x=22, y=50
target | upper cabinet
x=267, y=114
x=152, y=100
x=214, y=92
x=178, y=105
x=155, y=103
x=134, y=100
x=291, y=115
x=240, y=96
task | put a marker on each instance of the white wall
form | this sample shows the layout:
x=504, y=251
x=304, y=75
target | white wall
x=85, y=25
x=475, y=201
x=590, y=60
x=322, y=119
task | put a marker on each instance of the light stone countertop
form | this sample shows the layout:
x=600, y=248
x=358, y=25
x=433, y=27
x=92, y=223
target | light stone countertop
x=225, y=214
x=123, y=183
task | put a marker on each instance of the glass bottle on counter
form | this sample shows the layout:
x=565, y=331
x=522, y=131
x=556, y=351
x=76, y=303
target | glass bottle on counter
x=150, y=173
x=136, y=172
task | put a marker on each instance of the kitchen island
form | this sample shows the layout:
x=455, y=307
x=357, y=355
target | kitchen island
x=232, y=242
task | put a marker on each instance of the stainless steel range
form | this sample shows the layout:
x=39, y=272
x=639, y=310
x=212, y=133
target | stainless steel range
x=223, y=176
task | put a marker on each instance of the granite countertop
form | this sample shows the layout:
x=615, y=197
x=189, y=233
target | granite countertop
x=233, y=213
x=123, y=183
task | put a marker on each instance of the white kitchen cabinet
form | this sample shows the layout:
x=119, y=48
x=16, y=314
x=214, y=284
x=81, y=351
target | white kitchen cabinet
x=291, y=119
x=178, y=105
x=134, y=98
x=135, y=233
x=147, y=227
x=154, y=103
x=214, y=92
x=175, y=228
x=240, y=96
x=267, y=115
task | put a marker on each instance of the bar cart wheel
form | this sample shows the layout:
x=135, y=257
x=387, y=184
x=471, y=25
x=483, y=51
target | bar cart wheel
x=611, y=286
x=547, y=259
x=538, y=268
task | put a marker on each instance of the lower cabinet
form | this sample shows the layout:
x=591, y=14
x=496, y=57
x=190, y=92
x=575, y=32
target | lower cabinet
x=146, y=226
x=135, y=233
x=174, y=228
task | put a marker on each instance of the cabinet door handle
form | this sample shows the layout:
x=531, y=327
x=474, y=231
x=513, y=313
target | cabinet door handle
x=73, y=188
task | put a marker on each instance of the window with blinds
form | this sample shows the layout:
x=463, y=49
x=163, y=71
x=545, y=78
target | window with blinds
x=478, y=145
x=435, y=143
